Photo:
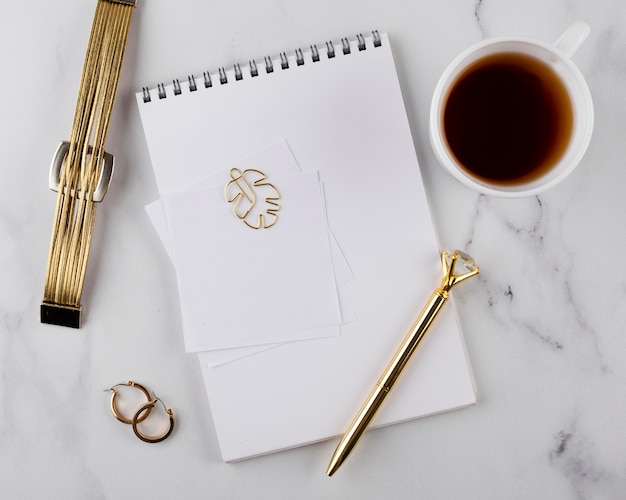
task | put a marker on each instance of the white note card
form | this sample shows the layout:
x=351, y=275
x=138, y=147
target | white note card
x=241, y=286
x=282, y=162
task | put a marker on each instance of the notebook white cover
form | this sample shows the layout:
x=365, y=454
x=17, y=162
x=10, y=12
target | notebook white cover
x=344, y=117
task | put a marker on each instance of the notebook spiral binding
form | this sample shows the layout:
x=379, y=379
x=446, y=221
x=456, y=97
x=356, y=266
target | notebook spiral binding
x=269, y=64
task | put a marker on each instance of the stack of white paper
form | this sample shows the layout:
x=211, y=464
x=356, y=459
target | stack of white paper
x=243, y=285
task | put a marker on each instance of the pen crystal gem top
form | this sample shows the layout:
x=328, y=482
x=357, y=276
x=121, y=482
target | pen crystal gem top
x=457, y=266
x=81, y=169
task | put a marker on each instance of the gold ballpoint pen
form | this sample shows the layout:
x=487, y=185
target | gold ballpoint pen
x=449, y=261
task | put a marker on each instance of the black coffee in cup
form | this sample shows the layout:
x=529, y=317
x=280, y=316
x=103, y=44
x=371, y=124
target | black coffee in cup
x=507, y=118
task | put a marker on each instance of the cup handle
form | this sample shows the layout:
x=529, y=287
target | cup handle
x=575, y=35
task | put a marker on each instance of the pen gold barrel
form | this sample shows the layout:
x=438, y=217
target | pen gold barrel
x=387, y=380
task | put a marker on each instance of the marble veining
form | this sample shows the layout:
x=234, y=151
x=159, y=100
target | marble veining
x=477, y=12
x=575, y=458
x=533, y=237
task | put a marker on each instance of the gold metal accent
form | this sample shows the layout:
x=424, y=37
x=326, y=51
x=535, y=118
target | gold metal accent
x=106, y=172
x=242, y=192
x=449, y=262
x=114, y=408
x=81, y=167
x=138, y=417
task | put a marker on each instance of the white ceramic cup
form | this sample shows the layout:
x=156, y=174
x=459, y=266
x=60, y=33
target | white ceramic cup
x=558, y=57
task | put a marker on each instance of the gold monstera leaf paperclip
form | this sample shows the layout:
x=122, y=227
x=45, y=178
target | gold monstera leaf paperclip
x=255, y=201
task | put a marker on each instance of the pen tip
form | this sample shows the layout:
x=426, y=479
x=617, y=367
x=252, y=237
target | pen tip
x=332, y=467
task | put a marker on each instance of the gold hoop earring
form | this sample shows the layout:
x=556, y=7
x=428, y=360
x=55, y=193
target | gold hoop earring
x=117, y=413
x=146, y=409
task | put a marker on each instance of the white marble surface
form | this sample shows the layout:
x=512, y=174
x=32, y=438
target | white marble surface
x=544, y=324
